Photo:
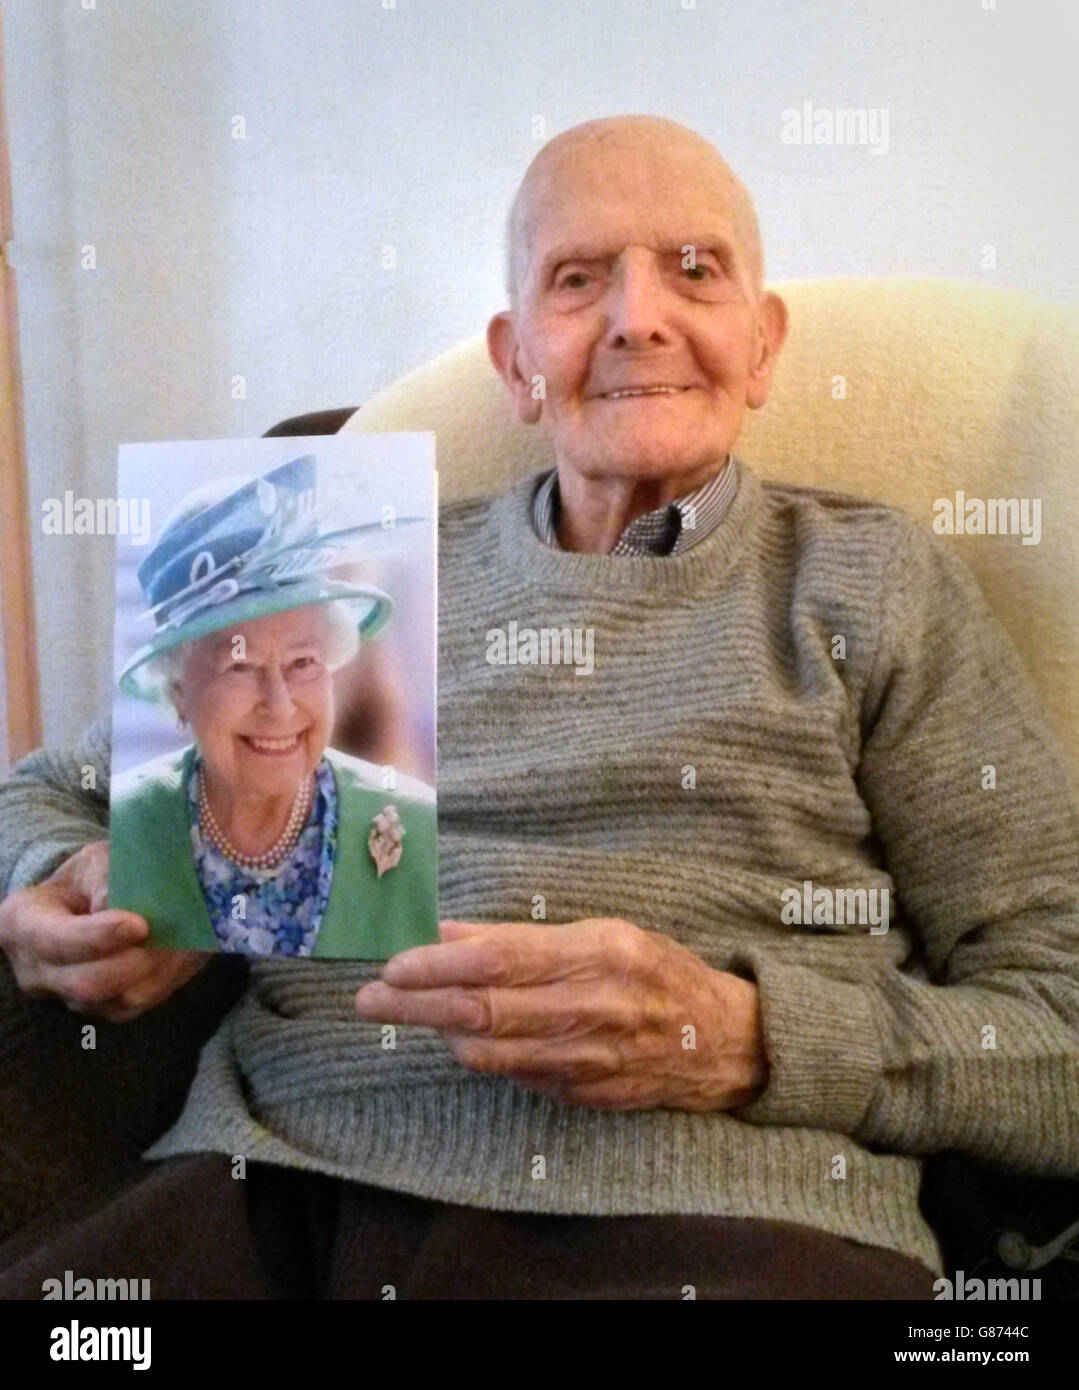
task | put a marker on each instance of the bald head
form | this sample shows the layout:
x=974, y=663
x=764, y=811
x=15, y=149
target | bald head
x=628, y=141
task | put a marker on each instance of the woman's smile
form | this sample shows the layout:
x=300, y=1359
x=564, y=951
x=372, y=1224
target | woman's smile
x=273, y=747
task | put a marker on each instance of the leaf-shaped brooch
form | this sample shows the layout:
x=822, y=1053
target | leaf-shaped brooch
x=385, y=838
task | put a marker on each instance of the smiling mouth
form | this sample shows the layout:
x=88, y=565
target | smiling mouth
x=273, y=747
x=644, y=391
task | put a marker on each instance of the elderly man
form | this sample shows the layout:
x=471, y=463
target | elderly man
x=662, y=1043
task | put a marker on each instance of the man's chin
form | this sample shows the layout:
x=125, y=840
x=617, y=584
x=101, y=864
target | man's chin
x=625, y=459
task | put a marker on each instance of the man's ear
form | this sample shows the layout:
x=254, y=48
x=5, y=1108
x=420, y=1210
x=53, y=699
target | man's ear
x=772, y=324
x=505, y=353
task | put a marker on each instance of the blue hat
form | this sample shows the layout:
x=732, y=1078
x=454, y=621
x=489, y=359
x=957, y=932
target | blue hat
x=239, y=549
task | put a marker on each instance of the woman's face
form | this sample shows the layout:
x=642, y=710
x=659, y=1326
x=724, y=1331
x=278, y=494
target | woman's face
x=259, y=699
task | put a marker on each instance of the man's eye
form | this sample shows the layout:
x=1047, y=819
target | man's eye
x=578, y=275
x=698, y=271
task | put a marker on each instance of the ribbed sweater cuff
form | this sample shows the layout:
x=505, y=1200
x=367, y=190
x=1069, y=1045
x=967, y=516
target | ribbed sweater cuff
x=39, y=860
x=822, y=1045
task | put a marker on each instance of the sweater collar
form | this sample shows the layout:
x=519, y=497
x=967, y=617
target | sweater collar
x=668, y=530
x=525, y=553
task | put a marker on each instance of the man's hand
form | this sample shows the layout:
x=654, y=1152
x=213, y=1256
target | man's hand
x=63, y=942
x=598, y=1013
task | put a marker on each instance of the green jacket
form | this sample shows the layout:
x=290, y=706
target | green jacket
x=152, y=866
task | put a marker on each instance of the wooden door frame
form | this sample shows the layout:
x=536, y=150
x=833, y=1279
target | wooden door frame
x=16, y=553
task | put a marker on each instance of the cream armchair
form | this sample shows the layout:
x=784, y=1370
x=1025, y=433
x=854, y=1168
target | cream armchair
x=907, y=392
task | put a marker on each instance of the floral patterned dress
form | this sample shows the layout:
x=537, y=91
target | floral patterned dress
x=274, y=912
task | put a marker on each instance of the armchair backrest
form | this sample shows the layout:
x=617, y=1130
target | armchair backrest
x=906, y=391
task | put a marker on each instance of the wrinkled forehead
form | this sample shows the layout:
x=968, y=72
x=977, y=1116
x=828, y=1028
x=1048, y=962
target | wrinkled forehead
x=597, y=200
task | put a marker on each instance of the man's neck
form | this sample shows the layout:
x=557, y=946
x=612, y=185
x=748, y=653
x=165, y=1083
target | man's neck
x=593, y=512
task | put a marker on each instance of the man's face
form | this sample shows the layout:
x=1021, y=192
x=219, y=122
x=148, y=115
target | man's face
x=610, y=302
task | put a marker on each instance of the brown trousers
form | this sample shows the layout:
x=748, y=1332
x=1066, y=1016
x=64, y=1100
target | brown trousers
x=196, y=1232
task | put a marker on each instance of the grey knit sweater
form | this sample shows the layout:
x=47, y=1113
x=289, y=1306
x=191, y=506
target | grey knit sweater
x=725, y=750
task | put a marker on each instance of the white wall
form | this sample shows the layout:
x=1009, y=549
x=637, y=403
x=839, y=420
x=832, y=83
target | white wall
x=411, y=126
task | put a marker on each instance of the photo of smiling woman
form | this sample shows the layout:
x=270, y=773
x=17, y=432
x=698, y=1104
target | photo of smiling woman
x=258, y=837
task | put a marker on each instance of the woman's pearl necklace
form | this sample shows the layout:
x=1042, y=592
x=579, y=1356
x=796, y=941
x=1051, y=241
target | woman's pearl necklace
x=279, y=851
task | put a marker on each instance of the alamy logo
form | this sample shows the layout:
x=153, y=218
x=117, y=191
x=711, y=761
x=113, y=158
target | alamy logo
x=986, y=1289
x=989, y=516
x=825, y=125
x=78, y=1343
x=835, y=907
x=546, y=646
x=97, y=516
x=70, y=1288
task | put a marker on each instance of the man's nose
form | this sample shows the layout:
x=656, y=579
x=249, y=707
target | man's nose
x=637, y=306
